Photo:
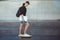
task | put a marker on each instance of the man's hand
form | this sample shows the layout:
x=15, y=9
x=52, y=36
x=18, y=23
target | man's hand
x=23, y=20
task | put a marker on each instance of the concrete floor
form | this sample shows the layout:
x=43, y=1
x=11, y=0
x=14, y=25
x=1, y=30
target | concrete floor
x=34, y=37
x=39, y=31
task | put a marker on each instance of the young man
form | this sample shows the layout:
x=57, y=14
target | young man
x=23, y=18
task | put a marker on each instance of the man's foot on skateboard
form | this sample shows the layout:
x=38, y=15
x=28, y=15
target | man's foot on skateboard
x=20, y=34
x=25, y=35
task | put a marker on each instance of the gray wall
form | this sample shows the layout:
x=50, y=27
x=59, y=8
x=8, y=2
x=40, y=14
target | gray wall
x=37, y=10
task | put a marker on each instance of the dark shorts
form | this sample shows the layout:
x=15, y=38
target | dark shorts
x=23, y=22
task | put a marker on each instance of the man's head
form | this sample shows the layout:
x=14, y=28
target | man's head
x=26, y=3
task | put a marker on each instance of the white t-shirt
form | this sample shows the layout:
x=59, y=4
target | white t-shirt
x=25, y=18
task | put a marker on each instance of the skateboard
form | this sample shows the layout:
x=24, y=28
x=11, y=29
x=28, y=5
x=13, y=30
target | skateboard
x=25, y=37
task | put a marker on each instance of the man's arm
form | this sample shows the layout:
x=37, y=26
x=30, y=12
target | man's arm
x=23, y=17
x=21, y=9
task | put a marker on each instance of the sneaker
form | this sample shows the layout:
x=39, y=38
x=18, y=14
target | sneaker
x=20, y=35
x=27, y=35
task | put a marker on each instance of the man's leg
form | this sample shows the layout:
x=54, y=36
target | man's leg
x=26, y=27
x=20, y=29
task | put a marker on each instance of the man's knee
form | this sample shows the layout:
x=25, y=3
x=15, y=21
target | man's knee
x=21, y=24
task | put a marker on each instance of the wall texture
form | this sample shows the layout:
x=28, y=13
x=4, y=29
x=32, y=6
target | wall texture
x=37, y=10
